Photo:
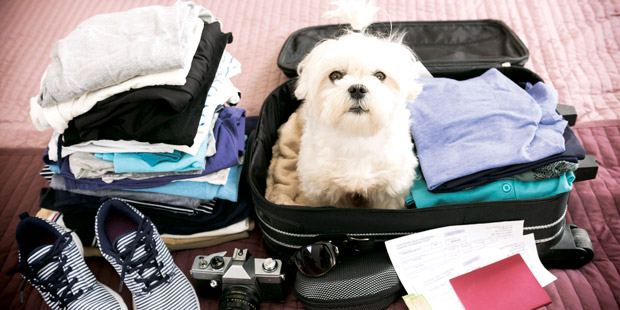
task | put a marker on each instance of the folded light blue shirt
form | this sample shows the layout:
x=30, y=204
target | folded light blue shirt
x=203, y=190
x=463, y=127
x=157, y=162
x=500, y=190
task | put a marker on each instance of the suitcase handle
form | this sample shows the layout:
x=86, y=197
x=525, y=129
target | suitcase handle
x=568, y=112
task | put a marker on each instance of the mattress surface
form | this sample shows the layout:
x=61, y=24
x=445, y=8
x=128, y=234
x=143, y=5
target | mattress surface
x=574, y=46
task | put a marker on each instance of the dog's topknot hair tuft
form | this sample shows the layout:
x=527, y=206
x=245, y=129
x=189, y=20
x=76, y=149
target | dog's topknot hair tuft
x=359, y=13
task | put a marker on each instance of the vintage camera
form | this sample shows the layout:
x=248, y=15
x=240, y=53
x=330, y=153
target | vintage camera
x=241, y=281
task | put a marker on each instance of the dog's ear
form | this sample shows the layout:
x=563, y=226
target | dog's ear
x=409, y=80
x=418, y=70
x=301, y=85
x=413, y=91
x=410, y=68
x=304, y=80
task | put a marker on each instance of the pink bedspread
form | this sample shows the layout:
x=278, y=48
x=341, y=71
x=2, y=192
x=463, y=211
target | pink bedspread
x=574, y=46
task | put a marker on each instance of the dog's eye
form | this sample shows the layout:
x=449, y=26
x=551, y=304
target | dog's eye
x=336, y=75
x=380, y=75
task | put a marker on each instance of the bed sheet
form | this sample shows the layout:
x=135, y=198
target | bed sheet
x=574, y=46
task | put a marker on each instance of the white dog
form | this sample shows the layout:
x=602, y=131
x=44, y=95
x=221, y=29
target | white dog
x=356, y=148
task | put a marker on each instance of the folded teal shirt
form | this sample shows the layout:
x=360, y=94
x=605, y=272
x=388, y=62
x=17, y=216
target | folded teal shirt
x=157, y=162
x=202, y=190
x=500, y=190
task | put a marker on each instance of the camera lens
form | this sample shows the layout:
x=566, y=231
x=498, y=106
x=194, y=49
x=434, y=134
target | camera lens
x=239, y=297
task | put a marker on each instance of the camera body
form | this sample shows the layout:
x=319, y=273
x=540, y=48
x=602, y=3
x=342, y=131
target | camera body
x=239, y=276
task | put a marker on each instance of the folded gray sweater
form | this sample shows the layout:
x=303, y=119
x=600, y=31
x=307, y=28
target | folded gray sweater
x=108, y=49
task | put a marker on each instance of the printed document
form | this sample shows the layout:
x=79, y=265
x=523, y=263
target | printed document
x=426, y=261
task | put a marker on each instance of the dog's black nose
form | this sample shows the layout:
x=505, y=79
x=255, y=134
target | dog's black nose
x=357, y=91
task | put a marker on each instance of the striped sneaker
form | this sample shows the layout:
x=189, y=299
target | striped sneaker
x=50, y=258
x=131, y=243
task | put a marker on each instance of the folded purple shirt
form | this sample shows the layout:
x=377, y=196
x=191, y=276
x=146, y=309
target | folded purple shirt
x=229, y=133
x=463, y=127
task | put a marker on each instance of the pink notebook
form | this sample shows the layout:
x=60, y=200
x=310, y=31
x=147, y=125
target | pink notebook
x=507, y=284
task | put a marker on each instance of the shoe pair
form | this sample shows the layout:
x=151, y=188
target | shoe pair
x=50, y=258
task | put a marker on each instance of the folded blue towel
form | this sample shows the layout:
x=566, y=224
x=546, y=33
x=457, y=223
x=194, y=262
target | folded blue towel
x=463, y=127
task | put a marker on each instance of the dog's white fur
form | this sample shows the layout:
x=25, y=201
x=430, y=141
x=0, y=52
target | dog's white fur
x=347, y=157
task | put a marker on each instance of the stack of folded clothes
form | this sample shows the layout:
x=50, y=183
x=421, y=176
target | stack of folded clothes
x=489, y=139
x=142, y=108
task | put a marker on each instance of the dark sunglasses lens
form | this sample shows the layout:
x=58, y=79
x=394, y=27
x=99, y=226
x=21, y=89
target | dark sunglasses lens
x=316, y=259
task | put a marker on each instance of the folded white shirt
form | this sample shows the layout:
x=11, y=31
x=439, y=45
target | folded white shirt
x=108, y=49
x=59, y=115
x=222, y=91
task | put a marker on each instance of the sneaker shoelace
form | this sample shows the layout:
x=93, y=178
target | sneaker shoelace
x=57, y=280
x=149, y=271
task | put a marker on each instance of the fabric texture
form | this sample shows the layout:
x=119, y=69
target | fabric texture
x=500, y=190
x=156, y=114
x=184, y=203
x=229, y=132
x=573, y=152
x=487, y=121
x=79, y=211
x=57, y=116
x=108, y=49
x=232, y=232
x=202, y=190
x=569, y=47
x=282, y=177
x=51, y=260
x=86, y=165
x=157, y=162
x=572, y=47
x=222, y=91
x=546, y=172
x=132, y=245
x=219, y=177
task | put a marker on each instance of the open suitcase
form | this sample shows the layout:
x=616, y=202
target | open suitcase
x=454, y=49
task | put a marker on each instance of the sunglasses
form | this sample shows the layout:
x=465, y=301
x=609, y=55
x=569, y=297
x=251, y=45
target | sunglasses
x=316, y=259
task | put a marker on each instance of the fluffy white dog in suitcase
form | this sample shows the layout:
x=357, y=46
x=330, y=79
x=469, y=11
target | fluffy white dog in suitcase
x=356, y=148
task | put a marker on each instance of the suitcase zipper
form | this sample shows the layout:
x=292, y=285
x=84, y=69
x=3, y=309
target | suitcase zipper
x=394, y=234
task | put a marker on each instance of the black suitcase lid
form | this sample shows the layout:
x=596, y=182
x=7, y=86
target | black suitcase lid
x=440, y=45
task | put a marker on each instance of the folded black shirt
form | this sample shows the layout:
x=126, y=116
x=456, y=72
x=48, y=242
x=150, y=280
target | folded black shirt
x=156, y=114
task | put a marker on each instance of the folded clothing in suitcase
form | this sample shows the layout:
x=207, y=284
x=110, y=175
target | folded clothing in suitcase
x=457, y=50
